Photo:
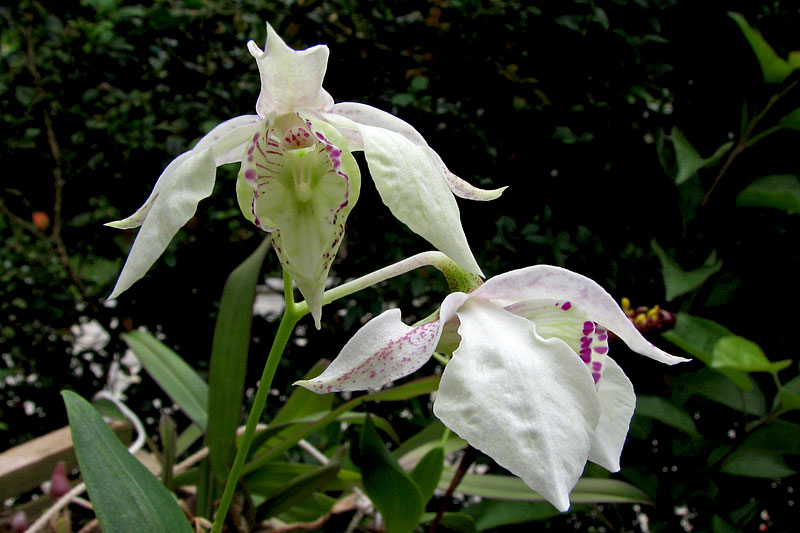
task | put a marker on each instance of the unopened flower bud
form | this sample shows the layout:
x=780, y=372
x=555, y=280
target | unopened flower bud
x=19, y=522
x=59, y=484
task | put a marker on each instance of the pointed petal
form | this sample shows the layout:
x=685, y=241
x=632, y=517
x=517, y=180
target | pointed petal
x=617, y=403
x=550, y=282
x=185, y=182
x=228, y=138
x=226, y=142
x=384, y=350
x=413, y=188
x=371, y=116
x=291, y=80
x=527, y=402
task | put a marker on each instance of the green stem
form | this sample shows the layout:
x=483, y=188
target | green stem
x=285, y=329
x=435, y=259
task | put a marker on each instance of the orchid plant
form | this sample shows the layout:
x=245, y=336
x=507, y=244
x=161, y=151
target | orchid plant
x=527, y=377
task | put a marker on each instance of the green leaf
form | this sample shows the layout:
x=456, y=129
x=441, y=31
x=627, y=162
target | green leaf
x=689, y=160
x=759, y=464
x=660, y=409
x=779, y=191
x=303, y=402
x=678, y=281
x=789, y=395
x=125, y=495
x=587, y=490
x=714, y=386
x=453, y=522
x=778, y=436
x=427, y=473
x=774, y=68
x=791, y=120
x=273, y=477
x=390, y=488
x=697, y=337
x=229, y=359
x=399, y=393
x=490, y=514
x=299, y=489
x=686, y=157
x=741, y=354
x=177, y=378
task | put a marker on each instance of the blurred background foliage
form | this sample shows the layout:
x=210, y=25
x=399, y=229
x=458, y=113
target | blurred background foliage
x=575, y=105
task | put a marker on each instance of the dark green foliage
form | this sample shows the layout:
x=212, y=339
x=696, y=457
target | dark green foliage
x=581, y=108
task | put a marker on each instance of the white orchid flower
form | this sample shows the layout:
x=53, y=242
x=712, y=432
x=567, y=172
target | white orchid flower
x=529, y=384
x=296, y=116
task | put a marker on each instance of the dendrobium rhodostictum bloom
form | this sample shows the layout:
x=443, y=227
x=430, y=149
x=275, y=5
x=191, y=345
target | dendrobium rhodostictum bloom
x=529, y=383
x=298, y=179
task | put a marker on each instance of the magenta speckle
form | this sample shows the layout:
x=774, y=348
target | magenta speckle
x=566, y=306
x=250, y=174
x=373, y=374
x=596, y=377
x=601, y=349
x=596, y=366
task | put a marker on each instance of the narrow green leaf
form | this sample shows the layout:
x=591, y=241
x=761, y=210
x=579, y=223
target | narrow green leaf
x=453, y=522
x=169, y=437
x=678, y=281
x=303, y=402
x=125, y=495
x=389, y=487
x=229, y=360
x=299, y=489
x=178, y=379
x=774, y=68
x=491, y=514
x=270, y=479
x=779, y=191
x=189, y=436
x=427, y=473
x=399, y=393
x=408, y=390
x=587, y=490
x=697, y=337
x=789, y=395
x=739, y=353
x=660, y=409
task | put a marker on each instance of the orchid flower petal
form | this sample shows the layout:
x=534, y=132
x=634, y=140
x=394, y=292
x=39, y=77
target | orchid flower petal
x=291, y=80
x=527, y=402
x=617, y=403
x=411, y=186
x=384, y=350
x=303, y=184
x=371, y=116
x=186, y=181
x=226, y=142
x=555, y=283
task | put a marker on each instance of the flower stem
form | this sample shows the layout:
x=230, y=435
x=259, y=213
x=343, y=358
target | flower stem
x=285, y=329
x=435, y=259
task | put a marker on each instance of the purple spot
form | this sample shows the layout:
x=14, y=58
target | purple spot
x=601, y=349
x=586, y=356
x=596, y=377
x=250, y=174
x=602, y=337
x=566, y=306
x=597, y=365
x=373, y=374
